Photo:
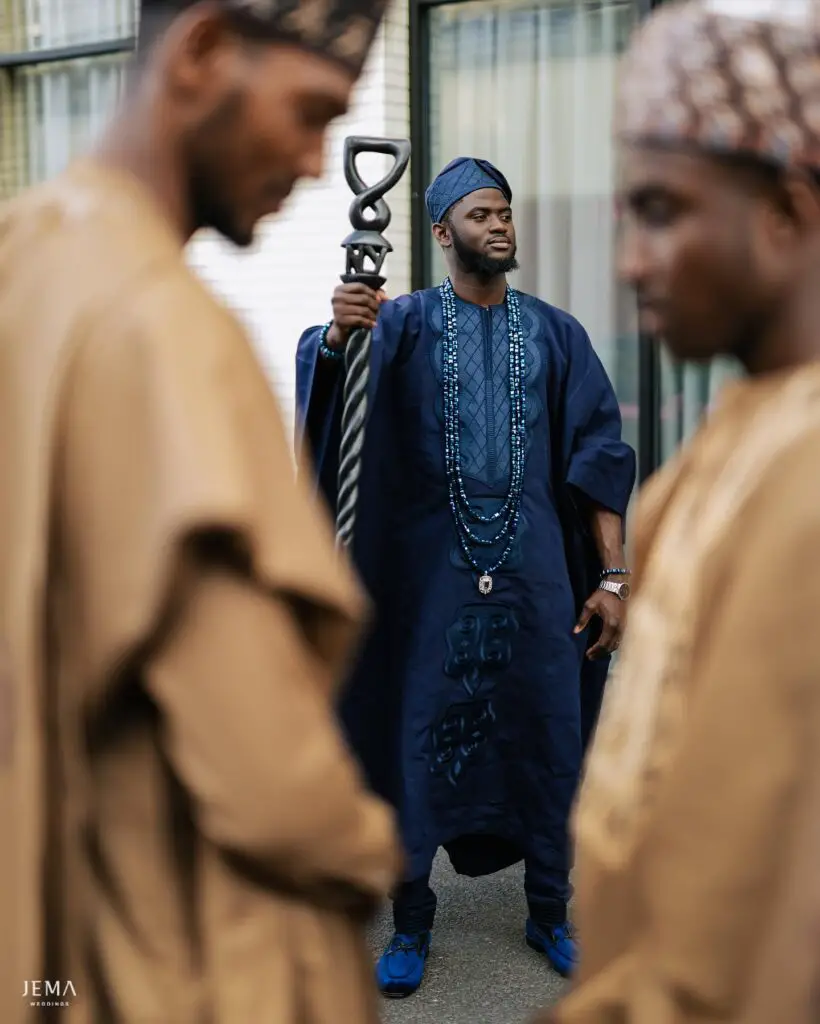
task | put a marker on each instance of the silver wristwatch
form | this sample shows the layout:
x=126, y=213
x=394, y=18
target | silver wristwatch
x=620, y=590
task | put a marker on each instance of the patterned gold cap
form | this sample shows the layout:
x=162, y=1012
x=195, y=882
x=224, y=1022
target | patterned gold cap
x=341, y=30
x=729, y=76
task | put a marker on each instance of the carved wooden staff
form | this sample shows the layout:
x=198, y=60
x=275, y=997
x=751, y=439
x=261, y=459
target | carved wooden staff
x=366, y=251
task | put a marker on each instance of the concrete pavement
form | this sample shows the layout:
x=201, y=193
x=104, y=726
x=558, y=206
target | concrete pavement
x=480, y=969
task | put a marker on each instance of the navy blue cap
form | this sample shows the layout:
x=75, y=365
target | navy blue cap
x=459, y=178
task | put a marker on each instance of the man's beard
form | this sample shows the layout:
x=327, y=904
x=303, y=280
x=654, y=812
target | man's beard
x=479, y=263
x=207, y=184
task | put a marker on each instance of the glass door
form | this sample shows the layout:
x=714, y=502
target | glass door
x=687, y=392
x=529, y=86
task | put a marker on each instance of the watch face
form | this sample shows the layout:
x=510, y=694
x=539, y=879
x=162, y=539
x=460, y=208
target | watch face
x=623, y=591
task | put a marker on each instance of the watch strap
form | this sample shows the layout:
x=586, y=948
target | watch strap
x=614, y=588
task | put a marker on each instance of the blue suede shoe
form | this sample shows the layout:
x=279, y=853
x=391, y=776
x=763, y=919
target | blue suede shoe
x=557, y=944
x=400, y=970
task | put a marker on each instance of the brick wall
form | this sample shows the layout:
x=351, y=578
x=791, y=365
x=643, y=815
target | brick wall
x=285, y=282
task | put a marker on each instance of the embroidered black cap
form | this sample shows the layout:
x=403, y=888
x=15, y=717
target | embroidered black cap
x=341, y=30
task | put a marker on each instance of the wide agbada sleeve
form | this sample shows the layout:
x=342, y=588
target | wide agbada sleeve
x=196, y=561
x=253, y=738
x=726, y=817
x=785, y=979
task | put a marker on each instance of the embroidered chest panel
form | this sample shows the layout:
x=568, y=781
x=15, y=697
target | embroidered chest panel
x=484, y=382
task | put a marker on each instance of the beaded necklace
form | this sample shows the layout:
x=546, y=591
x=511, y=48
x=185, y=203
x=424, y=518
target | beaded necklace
x=463, y=512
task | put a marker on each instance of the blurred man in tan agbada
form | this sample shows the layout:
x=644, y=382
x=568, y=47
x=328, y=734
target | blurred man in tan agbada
x=185, y=836
x=697, y=823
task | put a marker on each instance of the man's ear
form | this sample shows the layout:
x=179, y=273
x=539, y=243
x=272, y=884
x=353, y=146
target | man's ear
x=200, y=52
x=441, y=233
x=803, y=197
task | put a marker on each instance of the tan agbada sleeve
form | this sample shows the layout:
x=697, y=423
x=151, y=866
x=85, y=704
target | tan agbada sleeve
x=713, y=862
x=254, y=740
x=785, y=979
x=171, y=434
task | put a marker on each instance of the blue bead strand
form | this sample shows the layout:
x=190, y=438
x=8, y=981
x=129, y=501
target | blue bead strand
x=508, y=514
x=325, y=351
x=517, y=395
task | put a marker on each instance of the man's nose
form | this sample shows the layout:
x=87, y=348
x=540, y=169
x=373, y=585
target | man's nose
x=631, y=257
x=312, y=164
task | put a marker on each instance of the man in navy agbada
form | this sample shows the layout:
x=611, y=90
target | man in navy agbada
x=489, y=533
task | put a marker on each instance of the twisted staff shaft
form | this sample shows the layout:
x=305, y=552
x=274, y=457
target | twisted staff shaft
x=366, y=250
x=354, y=415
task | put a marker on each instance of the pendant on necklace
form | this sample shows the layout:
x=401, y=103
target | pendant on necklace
x=485, y=584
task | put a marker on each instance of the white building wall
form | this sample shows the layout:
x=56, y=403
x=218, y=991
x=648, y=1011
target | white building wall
x=285, y=282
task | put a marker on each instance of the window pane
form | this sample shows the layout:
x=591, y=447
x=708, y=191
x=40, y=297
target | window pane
x=45, y=24
x=529, y=86
x=51, y=113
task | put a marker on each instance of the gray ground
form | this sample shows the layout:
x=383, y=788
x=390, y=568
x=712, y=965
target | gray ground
x=480, y=970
